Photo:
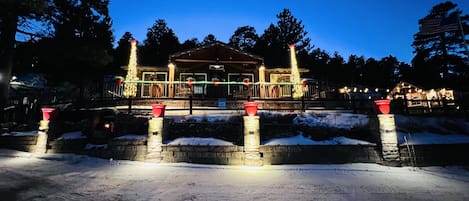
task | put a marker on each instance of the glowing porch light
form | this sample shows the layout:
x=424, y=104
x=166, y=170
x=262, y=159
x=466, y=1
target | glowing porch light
x=295, y=74
x=130, y=88
x=366, y=90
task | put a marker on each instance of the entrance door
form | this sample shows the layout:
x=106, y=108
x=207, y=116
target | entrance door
x=220, y=91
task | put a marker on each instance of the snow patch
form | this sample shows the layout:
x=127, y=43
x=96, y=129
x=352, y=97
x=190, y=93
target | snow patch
x=301, y=140
x=199, y=141
x=131, y=137
x=21, y=133
x=72, y=135
x=95, y=146
x=336, y=120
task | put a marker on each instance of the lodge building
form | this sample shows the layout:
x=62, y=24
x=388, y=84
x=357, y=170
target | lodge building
x=217, y=71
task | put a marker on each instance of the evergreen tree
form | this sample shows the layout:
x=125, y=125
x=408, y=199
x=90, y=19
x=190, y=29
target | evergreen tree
x=292, y=31
x=244, y=38
x=388, y=72
x=274, y=42
x=13, y=13
x=270, y=47
x=81, y=46
x=210, y=38
x=443, y=44
x=159, y=44
x=190, y=44
x=354, y=67
x=334, y=71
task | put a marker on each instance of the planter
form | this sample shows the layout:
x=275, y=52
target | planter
x=383, y=105
x=251, y=108
x=47, y=113
x=158, y=110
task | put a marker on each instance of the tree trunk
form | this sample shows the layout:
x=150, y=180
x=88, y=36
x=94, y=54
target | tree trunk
x=8, y=26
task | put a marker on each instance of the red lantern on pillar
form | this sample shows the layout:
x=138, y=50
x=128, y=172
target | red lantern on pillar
x=47, y=113
x=251, y=108
x=158, y=110
x=246, y=82
x=383, y=105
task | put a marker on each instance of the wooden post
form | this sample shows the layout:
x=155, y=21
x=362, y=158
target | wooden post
x=262, y=81
x=171, y=67
x=190, y=104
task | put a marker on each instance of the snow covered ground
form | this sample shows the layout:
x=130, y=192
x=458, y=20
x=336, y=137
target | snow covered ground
x=24, y=176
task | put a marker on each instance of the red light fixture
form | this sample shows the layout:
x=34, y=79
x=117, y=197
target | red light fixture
x=47, y=113
x=215, y=82
x=383, y=105
x=251, y=108
x=246, y=82
x=190, y=82
x=158, y=110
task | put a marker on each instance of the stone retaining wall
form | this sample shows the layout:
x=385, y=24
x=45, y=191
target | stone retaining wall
x=21, y=143
x=136, y=149
x=221, y=155
x=329, y=154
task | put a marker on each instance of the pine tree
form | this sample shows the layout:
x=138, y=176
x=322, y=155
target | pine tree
x=244, y=38
x=159, y=44
x=440, y=40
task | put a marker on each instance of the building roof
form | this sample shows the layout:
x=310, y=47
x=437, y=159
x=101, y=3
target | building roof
x=216, y=52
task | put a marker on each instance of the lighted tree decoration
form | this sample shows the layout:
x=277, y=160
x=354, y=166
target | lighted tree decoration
x=295, y=74
x=130, y=87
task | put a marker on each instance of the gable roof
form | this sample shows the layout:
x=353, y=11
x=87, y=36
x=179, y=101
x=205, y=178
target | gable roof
x=216, y=52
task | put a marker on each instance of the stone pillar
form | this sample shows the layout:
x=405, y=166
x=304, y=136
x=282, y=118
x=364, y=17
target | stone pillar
x=155, y=139
x=41, y=143
x=388, y=136
x=262, y=81
x=252, y=140
x=171, y=80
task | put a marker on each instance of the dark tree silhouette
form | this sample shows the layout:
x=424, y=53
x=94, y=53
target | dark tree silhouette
x=190, y=43
x=13, y=13
x=210, y=38
x=159, y=44
x=274, y=43
x=443, y=45
x=244, y=38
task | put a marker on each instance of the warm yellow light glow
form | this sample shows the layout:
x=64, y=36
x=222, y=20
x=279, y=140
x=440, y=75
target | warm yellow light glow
x=171, y=65
x=355, y=89
x=295, y=74
x=366, y=90
x=376, y=90
x=130, y=88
